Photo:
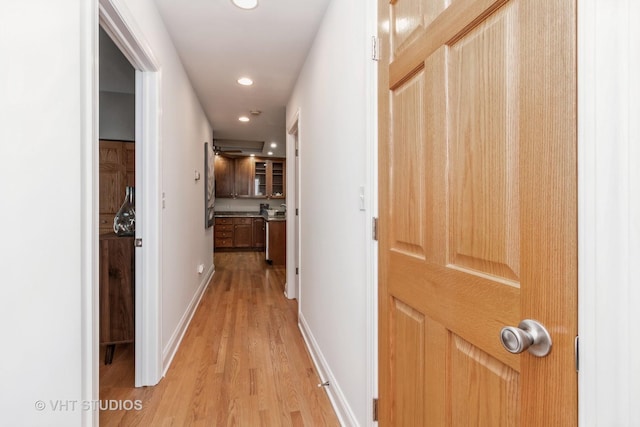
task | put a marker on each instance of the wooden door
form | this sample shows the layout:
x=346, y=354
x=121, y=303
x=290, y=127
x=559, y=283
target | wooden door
x=477, y=148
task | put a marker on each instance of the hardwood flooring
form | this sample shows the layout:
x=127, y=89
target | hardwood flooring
x=242, y=362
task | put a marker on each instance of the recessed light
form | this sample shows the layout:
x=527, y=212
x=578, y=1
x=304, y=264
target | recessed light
x=243, y=118
x=246, y=4
x=270, y=153
x=245, y=81
x=274, y=145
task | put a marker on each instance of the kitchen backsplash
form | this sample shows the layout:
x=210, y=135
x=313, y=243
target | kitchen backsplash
x=244, y=205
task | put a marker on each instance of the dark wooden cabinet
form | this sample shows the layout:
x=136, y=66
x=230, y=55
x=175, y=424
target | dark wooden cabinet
x=277, y=244
x=243, y=180
x=234, y=176
x=258, y=233
x=276, y=179
x=242, y=232
x=224, y=169
x=117, y=170
x=116, y=291
x=250, y=177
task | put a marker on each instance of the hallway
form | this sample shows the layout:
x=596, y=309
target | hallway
x=242, y=362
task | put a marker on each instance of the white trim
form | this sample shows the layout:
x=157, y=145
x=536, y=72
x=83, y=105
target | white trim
x=148, y=344
x=120, y=25
x=292, y=190
x=609, y=211
x=175, y=340
x=371, y=195
x=89, y=205
x=345, y=414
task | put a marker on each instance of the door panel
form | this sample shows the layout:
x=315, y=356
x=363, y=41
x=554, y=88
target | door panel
x=478, y=212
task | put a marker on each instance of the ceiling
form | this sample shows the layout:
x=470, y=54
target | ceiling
x=219, y=43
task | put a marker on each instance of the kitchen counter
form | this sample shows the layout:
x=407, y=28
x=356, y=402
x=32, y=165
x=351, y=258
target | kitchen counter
x=241, y=214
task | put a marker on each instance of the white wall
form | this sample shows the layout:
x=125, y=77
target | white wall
x=41, y=186
x=184, y=129
x=117, y=92
x=331, y=95
x=49, y=202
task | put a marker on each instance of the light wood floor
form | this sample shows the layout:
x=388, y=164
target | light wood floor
x=242, y=361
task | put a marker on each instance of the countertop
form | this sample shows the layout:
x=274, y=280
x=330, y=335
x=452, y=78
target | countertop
x=243, y=214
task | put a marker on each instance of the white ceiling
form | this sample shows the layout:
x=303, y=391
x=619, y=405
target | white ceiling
x=218, y=43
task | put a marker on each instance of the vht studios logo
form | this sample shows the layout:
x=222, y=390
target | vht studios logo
x=89, y=405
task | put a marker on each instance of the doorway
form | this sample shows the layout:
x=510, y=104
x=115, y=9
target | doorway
x=116, y=160
x=293, y=254
x=148, y=351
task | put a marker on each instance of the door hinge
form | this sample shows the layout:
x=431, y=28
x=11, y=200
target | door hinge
x=296, y=152
x=138, y=243
x=297, y=213
x=375, y=48
x=374, y=227
x=577, y=352
x=375, y=409
x=297, y=270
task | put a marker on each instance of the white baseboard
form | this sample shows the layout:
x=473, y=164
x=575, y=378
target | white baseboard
x=170, y=350
x=337, y=398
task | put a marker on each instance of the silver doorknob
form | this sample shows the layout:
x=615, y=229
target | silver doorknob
x=529, y=335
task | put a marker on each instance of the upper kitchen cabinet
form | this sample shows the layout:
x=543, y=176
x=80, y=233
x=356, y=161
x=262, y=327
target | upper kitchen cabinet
x=269, y=179
x=234, y=176
x=276, y=179
x=250, y=177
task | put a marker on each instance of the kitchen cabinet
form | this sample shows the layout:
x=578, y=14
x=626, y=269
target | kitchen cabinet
x=258, y=233
x=276, y=252
x=250, y=177
x=269, y=179
x=242, y=233
x=117, y=170
x=116, y=291
x=276, y=179
x=223, y=233
x=234, y=176
x=224, y=169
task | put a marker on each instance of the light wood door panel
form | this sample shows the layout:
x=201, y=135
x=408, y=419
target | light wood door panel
x=477, y=149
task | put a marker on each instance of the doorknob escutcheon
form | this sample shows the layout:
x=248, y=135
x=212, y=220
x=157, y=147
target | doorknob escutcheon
x=530, y=335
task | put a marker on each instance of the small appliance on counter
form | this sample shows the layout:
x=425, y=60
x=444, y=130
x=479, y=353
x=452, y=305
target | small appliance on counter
x=264, y=207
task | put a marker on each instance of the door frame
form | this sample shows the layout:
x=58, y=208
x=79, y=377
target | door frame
x=119, y=24
x=293, y=202
x=608, y=211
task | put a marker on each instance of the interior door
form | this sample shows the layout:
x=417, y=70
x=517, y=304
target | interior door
x=477, y=149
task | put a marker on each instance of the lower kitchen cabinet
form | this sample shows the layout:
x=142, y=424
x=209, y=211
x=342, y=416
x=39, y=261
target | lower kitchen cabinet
x=277, y=243
x=242, y=232
x=258, y=233
x=239, y=233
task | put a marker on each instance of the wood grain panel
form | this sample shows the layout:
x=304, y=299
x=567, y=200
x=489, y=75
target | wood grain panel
x=484, y=391
x=484, y=149
x=410, y=18
x=452, y=23
x=408, y=355
x=473, y=307
x=407, y=154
